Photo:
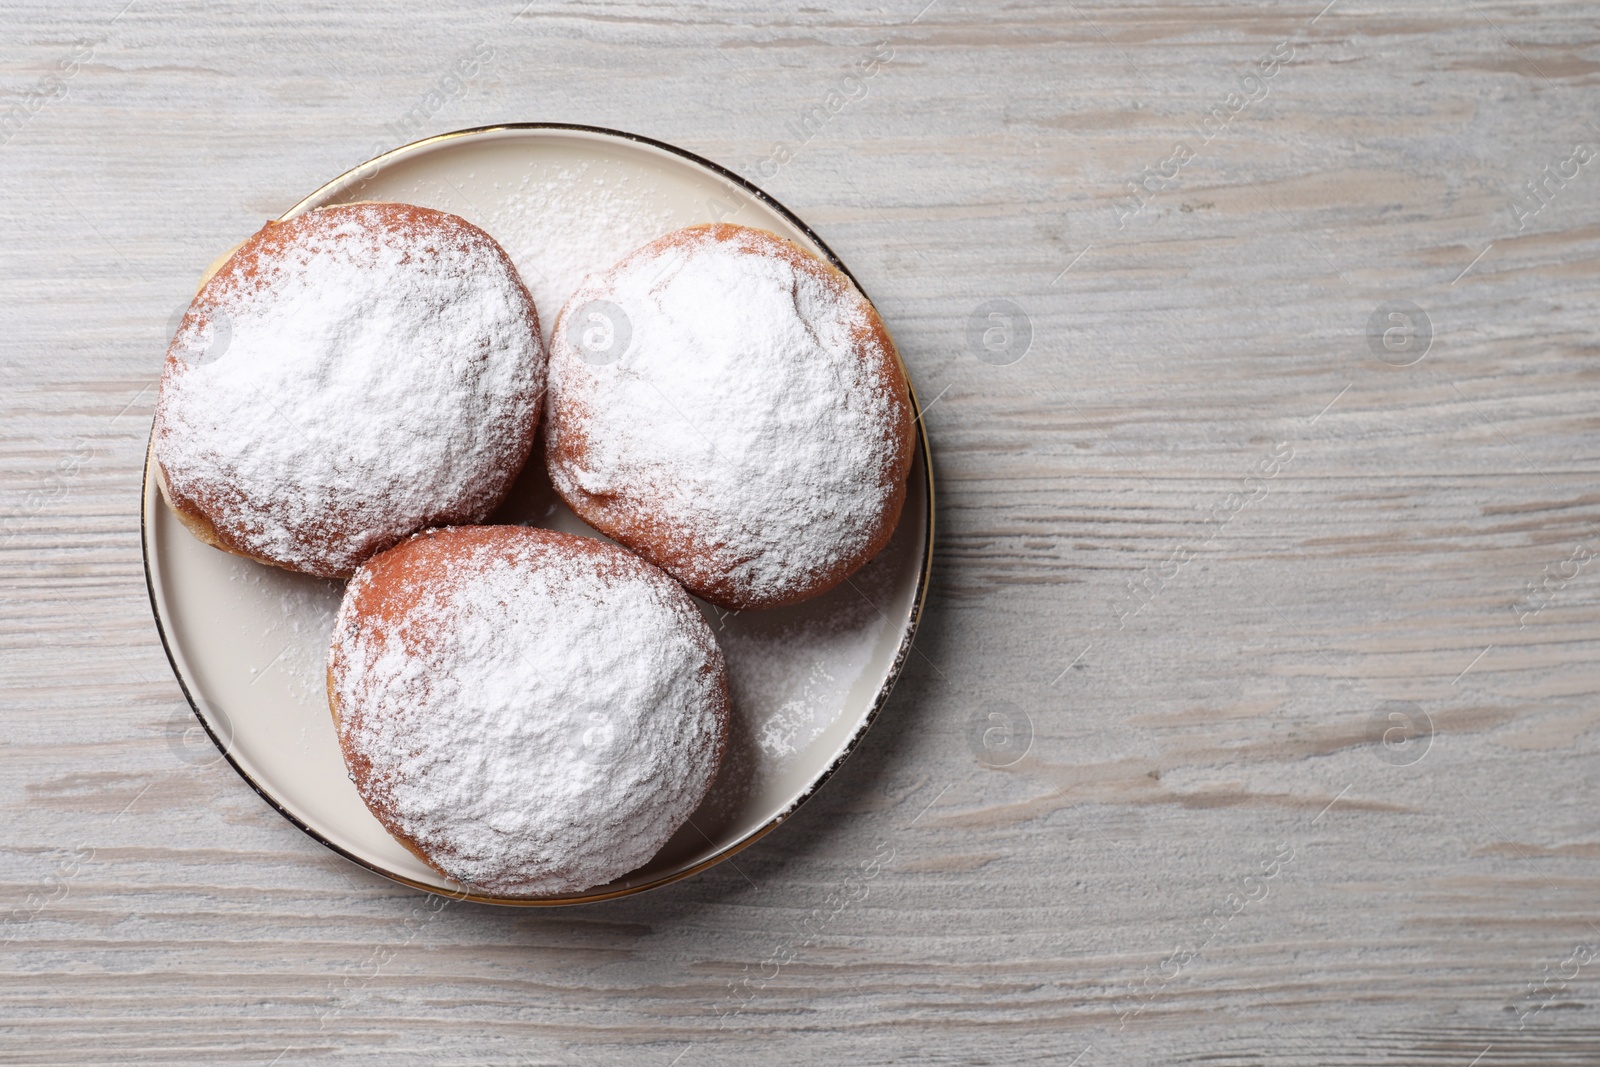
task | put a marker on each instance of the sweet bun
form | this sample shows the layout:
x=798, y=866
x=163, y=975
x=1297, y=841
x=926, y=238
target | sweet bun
x=732, y=409
x=530, y=712
x=346, y=378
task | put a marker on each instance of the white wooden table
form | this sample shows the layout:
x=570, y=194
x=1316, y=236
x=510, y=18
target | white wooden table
x=1292, y=603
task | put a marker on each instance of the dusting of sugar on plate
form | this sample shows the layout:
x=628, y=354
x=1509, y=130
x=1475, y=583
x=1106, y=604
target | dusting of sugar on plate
x=791, y=671
x=292, y=629
x=564, y=223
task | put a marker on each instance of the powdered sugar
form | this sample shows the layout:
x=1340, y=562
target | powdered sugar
x=745, y=414
x=376, y=380
x=538, y=720
x=565, y=223
x=790, y=670
x=292, y=627
x=794, y=671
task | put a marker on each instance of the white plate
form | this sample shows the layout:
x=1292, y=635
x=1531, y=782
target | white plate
x=248, y=642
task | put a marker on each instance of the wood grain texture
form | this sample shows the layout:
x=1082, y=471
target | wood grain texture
x=1208, y=854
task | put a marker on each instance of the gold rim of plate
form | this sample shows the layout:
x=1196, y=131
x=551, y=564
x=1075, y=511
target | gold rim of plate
x=355, y=176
